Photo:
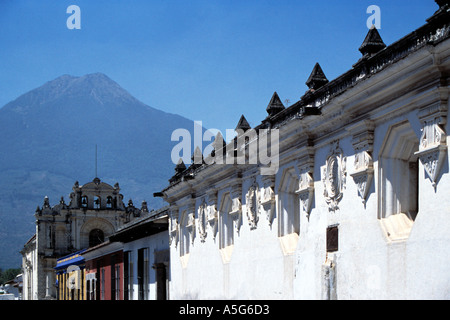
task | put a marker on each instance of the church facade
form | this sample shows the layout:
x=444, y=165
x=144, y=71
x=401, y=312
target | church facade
x=358, y=205
x=95, y=211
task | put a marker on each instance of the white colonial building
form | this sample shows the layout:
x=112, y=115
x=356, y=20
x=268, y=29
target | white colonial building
x=357, y=204
x=145, y=245
x=95, y=211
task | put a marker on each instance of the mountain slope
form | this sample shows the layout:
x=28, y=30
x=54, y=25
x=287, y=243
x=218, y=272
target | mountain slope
x=48, y=138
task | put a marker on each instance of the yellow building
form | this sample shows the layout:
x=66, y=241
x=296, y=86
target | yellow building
x=70, y=277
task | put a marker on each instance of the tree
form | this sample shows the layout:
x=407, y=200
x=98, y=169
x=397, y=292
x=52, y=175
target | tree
x=9, y=274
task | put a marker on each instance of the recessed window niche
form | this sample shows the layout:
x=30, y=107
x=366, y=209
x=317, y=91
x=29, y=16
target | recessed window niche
x=399, y=183
x=288, y=211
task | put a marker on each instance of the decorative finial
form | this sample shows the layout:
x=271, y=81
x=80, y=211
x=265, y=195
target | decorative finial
x=197, y=157
x=317, y=78
x=372, y=43
x=144, y=207
x=219, y=141
x=275, y=105
x=243, y=124
x=46, y=202
x=180, y=167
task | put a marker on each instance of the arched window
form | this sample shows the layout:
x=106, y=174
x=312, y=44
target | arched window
x=289, y=204
x=399, y=182
x=97, y=202
x=109, y=202
x=288, y=211
x=84, y=201
x=226, y=225
x=96, y=237
x=185, y=234
x=226, y=228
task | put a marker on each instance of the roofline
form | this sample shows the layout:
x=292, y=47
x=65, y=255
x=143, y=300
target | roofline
x=143, y=228
x=367, y=66
x=102, y=249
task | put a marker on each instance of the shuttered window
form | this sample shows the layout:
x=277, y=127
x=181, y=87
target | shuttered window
x=332, y=239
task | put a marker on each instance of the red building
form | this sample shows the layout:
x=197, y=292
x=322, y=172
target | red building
x=104, y=271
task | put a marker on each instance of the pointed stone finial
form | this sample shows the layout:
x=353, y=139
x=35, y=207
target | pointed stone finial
x=46, y=202
x=372, y=43
x=243, y=124
x=275, y=105
x=180, y=167
x=197, y=157
x=317, y=78
x=130, y=203
x=219, y=141
x=219, y=144
x=144, y=207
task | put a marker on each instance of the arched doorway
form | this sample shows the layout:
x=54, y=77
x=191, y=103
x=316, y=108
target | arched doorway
x=96, y=236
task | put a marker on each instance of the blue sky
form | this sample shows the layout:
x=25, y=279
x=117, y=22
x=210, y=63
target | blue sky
x=207, y=60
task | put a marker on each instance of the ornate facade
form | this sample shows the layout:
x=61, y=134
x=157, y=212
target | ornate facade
x=358, y=207
x=95, y=211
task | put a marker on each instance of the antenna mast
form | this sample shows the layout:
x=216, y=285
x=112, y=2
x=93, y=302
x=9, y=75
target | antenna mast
x=96, y=176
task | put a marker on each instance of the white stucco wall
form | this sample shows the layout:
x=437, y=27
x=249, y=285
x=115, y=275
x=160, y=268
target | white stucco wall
x=154, y=243
x=369, y=263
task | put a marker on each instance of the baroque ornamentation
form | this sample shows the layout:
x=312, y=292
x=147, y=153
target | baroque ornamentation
x=236, y=208
x=433, y=144
x=363, y=181
x=306, y=189
x=363, y=165
x=173, y=228
x=306, y=181
x=267, y=197
x=211, y=214
x=202, y=220
x=334, y=176
x=189, y=220
x=252, y=201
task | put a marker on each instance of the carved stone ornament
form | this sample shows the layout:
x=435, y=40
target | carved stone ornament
x=211, y=214
x=432, y=161
x=202, y=220
x=173, y=228
x=363, y=165
x=363, y=181
x=236, y=208
x=252, y=205
x=305, y=189
x=190, y=222
x=267, y=197
x=334, y=175
x=433, y=144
